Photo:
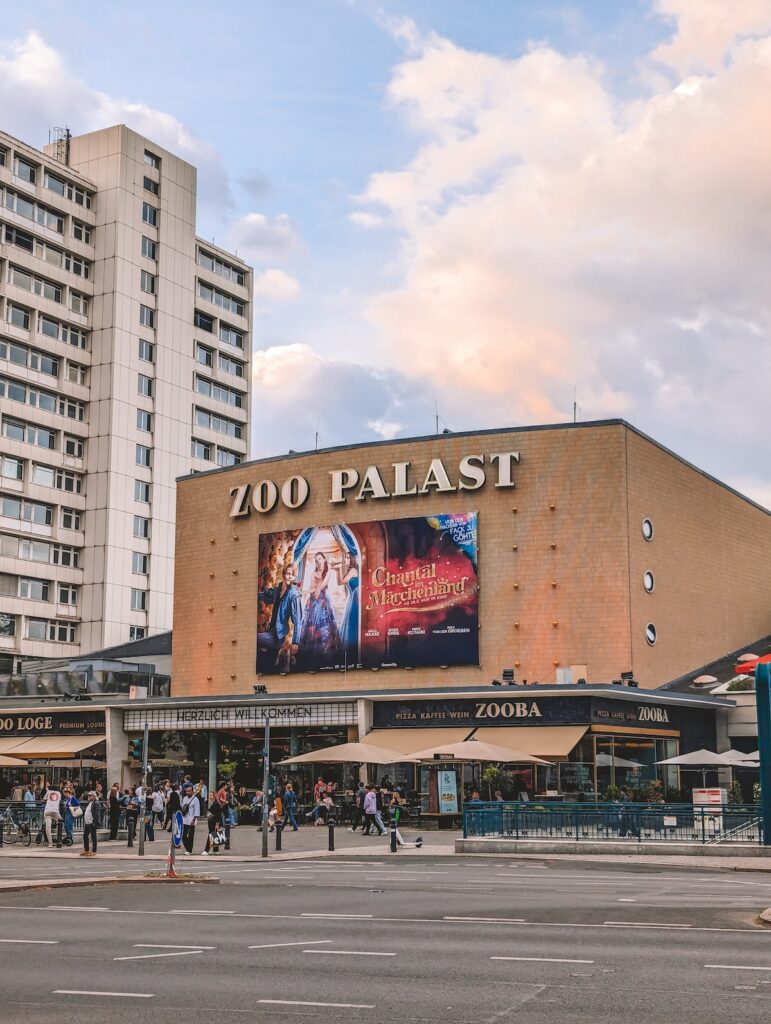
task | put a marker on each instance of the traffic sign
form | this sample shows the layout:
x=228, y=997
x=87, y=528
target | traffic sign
x=177, y=824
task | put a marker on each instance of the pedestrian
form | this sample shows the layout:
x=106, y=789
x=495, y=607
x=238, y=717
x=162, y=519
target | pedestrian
x=358, y=806
x=17, y=793
x=131, y=805
x=72, y=810
x=201, y=790
x=191, y=811
x=113, y=806
x=52, y=813
x=275, y=812
x=149, y=815
x=319, y=790
x=29, y=797
x=371, y=813
x=172, y=806
x=91, y=822
x=290, y=806
x=257, y=808
x=159, y=805
x=215, y=820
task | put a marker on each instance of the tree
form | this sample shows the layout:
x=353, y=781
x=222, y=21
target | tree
x=227, y=770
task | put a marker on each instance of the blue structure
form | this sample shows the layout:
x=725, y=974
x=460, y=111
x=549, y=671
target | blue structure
x=763, y=698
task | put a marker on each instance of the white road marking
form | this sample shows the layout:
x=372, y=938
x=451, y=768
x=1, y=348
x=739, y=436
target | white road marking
x=493, y=920
x=345, y=952
x=85, y=992
x=649, y=924
x=299, y=1002
x=34, y=942
x=207, y=913
x=343, y=917
x=542, y=959
x=626, y=899
x=735, y=967
x=155, y=956
x=275, y=945
x=163, y=945
x=101, y=910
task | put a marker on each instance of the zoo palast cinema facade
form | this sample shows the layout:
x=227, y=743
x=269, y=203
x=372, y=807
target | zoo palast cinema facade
x=385, y=589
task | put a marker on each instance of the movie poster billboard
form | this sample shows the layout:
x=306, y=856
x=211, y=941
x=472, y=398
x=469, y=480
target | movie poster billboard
x=388, y=593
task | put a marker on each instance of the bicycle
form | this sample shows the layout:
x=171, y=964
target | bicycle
x=15, y=831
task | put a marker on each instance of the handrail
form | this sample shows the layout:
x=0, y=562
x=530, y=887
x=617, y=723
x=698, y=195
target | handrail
x=755, y=823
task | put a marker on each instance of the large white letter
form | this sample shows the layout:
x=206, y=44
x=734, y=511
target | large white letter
x=471, y=467
x=401, y=475
x=436, y=477
x=372, y=484
x=240, y=496
x=295, y=491
x=342, y=480
x=265, y=496
x=504, y=460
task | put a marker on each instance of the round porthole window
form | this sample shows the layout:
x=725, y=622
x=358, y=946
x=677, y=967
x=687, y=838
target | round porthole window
x=650, y=634
x=647, y=529
x=648, y=581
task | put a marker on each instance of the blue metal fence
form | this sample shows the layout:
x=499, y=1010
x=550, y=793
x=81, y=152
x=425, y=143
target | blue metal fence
x=730, y=823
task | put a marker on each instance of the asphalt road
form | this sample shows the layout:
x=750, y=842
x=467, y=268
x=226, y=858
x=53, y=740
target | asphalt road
x=445, y=940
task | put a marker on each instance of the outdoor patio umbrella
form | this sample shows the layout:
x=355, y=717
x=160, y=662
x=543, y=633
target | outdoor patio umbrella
x=605, y=761
x=698, y=760
x=349, y=753
x=476, y=750
x=11, y=762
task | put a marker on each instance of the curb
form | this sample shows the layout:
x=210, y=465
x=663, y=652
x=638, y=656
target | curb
x=588, y=848
x=765, y=916
x=56, y=883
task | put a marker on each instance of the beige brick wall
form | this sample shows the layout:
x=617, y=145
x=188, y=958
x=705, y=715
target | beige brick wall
x=586, y=544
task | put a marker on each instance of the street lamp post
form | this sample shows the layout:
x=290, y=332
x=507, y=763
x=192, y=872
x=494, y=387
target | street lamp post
x=265, y=786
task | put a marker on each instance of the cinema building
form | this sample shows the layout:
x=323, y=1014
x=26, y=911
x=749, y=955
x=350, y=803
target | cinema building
x=531, y=587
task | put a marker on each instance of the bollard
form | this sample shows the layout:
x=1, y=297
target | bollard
x=2, y=826
x=59, y=824
x=130, y=827
x=394, y=846
x=331, y=823
x=279, y=830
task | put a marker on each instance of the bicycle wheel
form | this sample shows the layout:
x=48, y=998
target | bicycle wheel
x=25, y=838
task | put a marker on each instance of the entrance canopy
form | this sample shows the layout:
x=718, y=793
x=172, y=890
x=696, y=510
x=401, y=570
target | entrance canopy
x=407, y=741
x=539, y=740
x=348, y=753
x=11, y=762
x=47, y=746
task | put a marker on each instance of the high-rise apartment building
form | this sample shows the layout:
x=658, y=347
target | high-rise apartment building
x=125, y=344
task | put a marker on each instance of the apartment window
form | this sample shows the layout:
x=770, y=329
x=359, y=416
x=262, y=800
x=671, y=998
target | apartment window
x=228, y=365
x=74, y=336
x=137, y=632
x=62, y=554
x=79, y=303
x=152, y=160
x=222, y=299
x=29, y=550
x=146, y=316
x=71, y=408
x=70, y=519
x=204, y=322
x=50, y=328
x=23, y=356
x=149, y=248
x=32, y=283
x=204, y=355
x=143, y=455
x=74, y=446
x=142, y=491
x=37, y=629
x=145, y=385
x=76, y=265
x=18, y=430
x=231, y=336
x=144, y=420
x=150, y=186
x=10, y=507
x=7, y=622
x=76, y=374
x=146, y=351
x=68, y=594
x=26, y=171
x=62, y=632
x=218, y=266
x=221, y=424
x=141, y=527
x=81, y=231
x=140, y=563
x=57, y=185
x=18, y=316
x=218, y=391
x=138, y=600
x=33, y=590
x=201, y=450
x=149, y=214
x=227, y=458
x=79, y=195
x=3, y=156
x=14, y=236
x=10, y=468
x=147, y=282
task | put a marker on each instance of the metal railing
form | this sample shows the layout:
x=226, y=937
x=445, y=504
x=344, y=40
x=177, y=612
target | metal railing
x=33, y=814
x=682, y=823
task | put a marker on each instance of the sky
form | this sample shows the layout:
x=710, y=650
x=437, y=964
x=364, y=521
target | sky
x=481, y=213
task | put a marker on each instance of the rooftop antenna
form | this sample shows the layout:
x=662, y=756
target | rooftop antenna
x=60, y=138
x=575, y=406
x=317, y=433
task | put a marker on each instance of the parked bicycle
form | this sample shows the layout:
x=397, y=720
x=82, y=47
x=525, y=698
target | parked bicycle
x=15, y=830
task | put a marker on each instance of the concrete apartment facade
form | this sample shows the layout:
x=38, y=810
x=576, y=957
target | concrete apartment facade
x=125, y=344
x=599, y=552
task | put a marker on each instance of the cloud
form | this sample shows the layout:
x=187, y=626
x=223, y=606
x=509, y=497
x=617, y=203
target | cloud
x=257, y=237
x=302, y=392
x=37, y=90
x=554, y=236
x=275, y=285
x=366, y=220
x=256, y=185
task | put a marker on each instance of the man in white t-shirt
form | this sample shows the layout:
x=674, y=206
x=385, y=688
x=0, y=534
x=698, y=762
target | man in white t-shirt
x=52, y=813
x=191, y=811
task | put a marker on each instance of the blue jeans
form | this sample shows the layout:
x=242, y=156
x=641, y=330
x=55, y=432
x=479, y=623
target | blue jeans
x=69, y=824
x=149, y=830
x=290, y=818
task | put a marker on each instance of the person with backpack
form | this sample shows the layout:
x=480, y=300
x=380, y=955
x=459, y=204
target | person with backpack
x=191, y=812
x=215, y=819
x=172, y=806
